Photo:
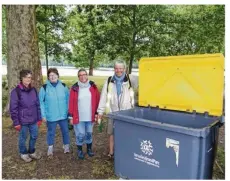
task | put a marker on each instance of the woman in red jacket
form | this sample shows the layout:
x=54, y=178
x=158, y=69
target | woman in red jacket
x=83, y=102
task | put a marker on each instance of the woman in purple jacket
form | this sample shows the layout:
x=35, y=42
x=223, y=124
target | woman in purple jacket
x=26, y=115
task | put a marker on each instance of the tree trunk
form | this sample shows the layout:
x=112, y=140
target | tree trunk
x=91, y=63
x=47, y=60
x=133, y=41
x=22, y=44
x=46, y=46
x=131, y=62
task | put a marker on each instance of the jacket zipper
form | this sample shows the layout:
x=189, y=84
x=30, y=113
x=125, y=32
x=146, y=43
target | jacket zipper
x=57, y=100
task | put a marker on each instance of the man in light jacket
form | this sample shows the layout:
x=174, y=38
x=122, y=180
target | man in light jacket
x=117, y=94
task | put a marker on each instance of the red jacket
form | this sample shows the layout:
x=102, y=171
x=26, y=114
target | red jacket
x=73, y=101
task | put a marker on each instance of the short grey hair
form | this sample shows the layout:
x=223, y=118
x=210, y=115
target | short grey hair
x=82, y=70
x=120, y=62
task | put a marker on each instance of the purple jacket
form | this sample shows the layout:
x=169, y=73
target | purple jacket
x=24, y=106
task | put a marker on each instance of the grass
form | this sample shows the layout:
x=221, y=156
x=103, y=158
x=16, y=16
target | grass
x=101, y=169
x=220, y=159
x=68, y=80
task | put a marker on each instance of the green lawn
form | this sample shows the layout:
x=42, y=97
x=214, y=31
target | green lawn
x=68, y=80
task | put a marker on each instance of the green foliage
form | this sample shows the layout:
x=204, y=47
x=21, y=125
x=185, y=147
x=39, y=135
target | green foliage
x=135, y=31
x=197, y=29
x=87, y=25
x=51, y=23
x=98, y=34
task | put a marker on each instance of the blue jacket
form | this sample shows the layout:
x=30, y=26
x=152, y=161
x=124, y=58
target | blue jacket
x=54, y=101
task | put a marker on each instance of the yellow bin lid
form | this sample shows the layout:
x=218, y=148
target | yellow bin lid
x=184, y=83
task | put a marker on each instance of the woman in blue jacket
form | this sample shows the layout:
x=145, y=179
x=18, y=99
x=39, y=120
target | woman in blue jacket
x=54, y=97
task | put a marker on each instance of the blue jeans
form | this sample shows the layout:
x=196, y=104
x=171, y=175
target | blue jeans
x=83, y=132
x=51, y=126
x=33, y=130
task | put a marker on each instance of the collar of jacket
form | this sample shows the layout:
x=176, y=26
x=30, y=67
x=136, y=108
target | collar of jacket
x=76, y=86
x=22, y=87
x=125, y=79
x=50, y=84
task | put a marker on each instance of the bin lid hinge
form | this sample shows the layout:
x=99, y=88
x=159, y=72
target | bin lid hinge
x=152, y=107
x=156, y=108
x=206, y=114
x=194, y=113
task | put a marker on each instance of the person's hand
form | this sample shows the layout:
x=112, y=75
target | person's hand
x=71, y=121
x=96, y=117
x=44, y=120
x=99, y=117
x=39, y=123
x=18, y=127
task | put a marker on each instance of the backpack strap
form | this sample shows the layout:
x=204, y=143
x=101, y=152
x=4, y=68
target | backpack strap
x=36, y=91
x=108, y=81
x=18, y=92
x=44, y=86
x=130, y=85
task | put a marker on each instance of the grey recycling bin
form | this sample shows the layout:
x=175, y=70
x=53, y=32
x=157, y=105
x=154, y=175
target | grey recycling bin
x=162, y=144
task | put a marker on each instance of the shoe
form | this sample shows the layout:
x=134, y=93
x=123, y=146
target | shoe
x=111, y=156
x=50, y=151
x=80, y=153
x=35, y=156
x=66, y=148
x=89, y=150
x=26, y=158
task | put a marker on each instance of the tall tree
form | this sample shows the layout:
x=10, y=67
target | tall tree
x=87, y=26
x=192, y=29
x=51, y=22
x=160, y=30
x=131, y=29
x=22, y=44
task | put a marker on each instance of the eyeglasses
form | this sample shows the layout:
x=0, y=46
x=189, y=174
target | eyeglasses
x=53, y=76
x=27, y=77
x=119, y=68
x=82, y=75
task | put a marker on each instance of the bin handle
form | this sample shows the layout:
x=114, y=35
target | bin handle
x=215, y=122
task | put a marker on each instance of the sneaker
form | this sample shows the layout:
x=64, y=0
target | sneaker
x=35, y=156
x=50, y=151
x=26, y=158
x=111, y=156
x=66, y=148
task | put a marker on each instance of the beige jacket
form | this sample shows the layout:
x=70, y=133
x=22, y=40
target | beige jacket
x=124, y=98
